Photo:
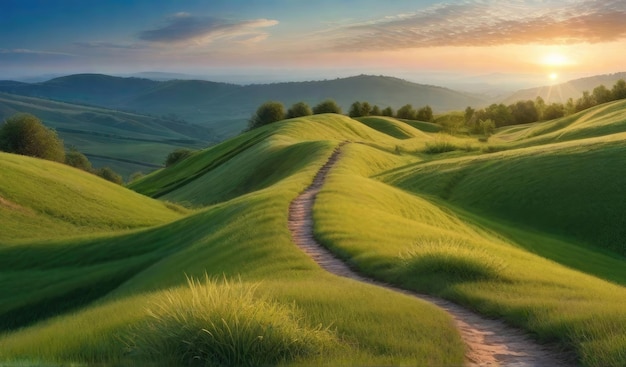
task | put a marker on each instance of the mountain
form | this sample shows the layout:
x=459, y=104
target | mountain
x=226, y=107
x=127, y=142
x=560, y=93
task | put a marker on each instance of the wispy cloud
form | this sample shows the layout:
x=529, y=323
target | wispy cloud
x=24, y=51
x=186, y=28
x=108, y=45
x=488, y=23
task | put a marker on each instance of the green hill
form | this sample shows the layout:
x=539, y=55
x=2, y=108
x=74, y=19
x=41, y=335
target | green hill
x=126, y=142
x=527, y=235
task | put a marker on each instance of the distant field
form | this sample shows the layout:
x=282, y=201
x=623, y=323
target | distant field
x=124, y=141
x=526, y=227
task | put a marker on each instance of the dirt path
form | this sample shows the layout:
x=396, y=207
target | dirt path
x=489, y=342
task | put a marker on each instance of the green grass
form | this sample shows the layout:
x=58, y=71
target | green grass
x=42, y=199
x=505, y=233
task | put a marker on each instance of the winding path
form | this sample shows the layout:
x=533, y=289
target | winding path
x=489, y=342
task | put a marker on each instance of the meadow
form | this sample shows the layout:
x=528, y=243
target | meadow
x=525, y=227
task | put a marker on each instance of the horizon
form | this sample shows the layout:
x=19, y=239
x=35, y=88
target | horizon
x=464, y=45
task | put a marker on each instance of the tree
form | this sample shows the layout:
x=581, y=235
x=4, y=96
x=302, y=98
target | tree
x=570, y=107
x=327, y=106
x=425, y=114
x=540, y=106
x=619, y=90
x=356, y=109
x=267, y=113
x=499, y=113
x=584, y=102
x=524, y=112
x=487, y=127
x=177, y=155
x=554, y=111
x=298, y=110
x=366, y=109
x=388, y=111
x=469, y=115
x=602, y=95
x=108, y=174
x=25, y=134
x=406, y=112
x=77, y=159
x=375, y=111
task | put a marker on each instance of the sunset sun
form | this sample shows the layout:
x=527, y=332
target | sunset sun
x=555, y=59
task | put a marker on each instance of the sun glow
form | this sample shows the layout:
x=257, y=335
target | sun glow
x=555, y=59
x=553, y=76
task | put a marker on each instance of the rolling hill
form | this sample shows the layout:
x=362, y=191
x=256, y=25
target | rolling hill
x=560, y=93
x=225, y=108
x=126, y=142
x=520, y=229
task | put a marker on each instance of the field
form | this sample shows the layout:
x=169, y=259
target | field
x=526, y=227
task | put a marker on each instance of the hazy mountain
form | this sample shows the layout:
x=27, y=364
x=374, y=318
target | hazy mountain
x=126, y=142
x=571, y=89
x=227, y=107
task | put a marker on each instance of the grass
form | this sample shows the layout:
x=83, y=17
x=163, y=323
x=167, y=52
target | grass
x=462, y=225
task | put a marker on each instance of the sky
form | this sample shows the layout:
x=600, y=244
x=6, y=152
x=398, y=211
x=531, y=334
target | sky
x=533, y=42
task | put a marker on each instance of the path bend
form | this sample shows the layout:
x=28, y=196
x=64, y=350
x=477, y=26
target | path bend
x=489, y=342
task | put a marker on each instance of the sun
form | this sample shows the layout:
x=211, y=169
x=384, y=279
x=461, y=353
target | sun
x=553, y=76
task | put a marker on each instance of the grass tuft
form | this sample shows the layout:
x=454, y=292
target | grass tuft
x=224, y=323
x=454, y=260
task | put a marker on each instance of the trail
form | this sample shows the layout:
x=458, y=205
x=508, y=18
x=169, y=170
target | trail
x=489, y=342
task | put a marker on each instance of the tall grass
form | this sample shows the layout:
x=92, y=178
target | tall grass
x=225, y=323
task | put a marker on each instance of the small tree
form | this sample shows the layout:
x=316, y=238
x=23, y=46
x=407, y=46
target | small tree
x=356, y=109
x=366, y=109
x=25, y=134
x=77, y=159
x=177, y=155
x=487, y=127
x=375, y=111
x=406, y=112
x=327, y=106
x=425, y=114
x=298, y=110
x=602, y=95
x=108, y=174
x=388, y=111
x=619, y=90
x=267, y=113
x=554, y=111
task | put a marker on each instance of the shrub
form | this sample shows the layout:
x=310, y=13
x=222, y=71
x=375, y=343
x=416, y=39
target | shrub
x=298, y=110
x=425, y=114
x=25, y=134
x=108, y=174
x=440, y=146
x=177, y=156
x=77, y=159
x=327, y=106
x=224, y=324
x=267, y=113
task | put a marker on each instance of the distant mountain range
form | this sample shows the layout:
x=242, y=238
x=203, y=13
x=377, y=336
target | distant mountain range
x=225, y=108
x=562, y=92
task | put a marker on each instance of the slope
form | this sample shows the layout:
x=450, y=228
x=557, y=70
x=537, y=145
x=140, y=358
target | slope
x=127, y=142
x=41, y=199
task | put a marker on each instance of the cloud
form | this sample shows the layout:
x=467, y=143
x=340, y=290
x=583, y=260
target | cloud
x=488, y=23
x=108, y=45
x=24, y=51
x=186, y=28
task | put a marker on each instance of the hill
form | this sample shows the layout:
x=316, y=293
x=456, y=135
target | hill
x=461, y=223
x=225, y=108
x=560, y=93
x=126, y=142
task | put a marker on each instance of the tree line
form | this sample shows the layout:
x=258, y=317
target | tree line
x=273, y=111
x=523, y=112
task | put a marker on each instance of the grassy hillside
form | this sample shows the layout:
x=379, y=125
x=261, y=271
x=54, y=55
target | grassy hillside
x=124, y=141
x=41, y=199
x=526, y=235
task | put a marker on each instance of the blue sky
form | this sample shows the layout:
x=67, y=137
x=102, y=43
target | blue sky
x=291, y=39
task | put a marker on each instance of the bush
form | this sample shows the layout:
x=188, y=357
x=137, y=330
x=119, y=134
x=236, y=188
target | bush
x=224, y=324
x=177, y=156
x=108, y=174
x=406, y=112
x=267, y=113
x=78, y=160
x=328, y=106
x=25, y=134
x=298, y=110
x=425, y=114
